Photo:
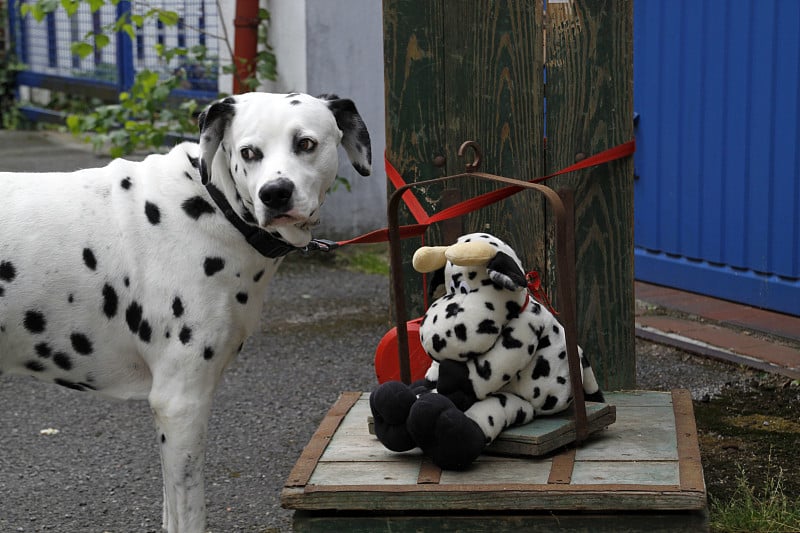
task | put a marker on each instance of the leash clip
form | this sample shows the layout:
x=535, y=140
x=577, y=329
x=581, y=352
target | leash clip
x=320, y=245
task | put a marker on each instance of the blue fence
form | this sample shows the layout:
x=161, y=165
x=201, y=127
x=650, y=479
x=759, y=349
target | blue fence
x=44, y=48
x=717, y=196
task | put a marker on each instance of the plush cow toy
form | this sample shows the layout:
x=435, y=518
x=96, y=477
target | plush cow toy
x=499, y=358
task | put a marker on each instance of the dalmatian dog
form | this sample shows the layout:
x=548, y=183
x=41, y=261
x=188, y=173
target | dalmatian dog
x=498, y=358
x=141, y=280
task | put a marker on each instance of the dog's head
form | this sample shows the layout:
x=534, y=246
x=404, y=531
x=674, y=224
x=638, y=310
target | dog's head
x=278, y=153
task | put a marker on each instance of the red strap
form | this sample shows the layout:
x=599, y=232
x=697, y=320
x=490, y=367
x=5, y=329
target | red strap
x=477, y=202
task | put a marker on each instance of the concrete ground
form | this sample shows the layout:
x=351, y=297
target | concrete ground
x=321, y=324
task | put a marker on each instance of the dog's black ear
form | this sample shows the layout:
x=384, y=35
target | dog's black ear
x=504, y=271
x=213, y=122
x=355, y=137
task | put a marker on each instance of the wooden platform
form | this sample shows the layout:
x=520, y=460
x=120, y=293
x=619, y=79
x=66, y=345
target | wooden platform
x=644, y=469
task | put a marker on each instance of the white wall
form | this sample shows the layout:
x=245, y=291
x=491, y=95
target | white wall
x=336, y=46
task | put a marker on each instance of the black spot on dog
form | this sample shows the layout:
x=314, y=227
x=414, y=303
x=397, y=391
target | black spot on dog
x=34, y=366
x=110, y=301
x=208, y=353
x=438, y=343
x=544, y=342
x=549, y=403
x=556, y=329
x=562, y=354
x=89, y=259
x=461, y=332
x=509, y=342
x=489, y=327
x=484, y=370
x=212, y=265
x=177, y=307
x=295, y=102
x=133, y=316
x=520, y=418
x=536, y=392
x=241, y=297
x=513, y=309
x=506, y=377
x=145, y=331
x=541, y=369
x=152, y=212
x=126, y=281
x=7, y=271
x=491, y=421
x=125, y=183
x=501, y=398
x=258, y=276
x=185, y=335
x=561, y=380
x=452, y=310
x=43, y=350
x=62, y=361
x=81, y=343
x=34, y=321
x=489, y=306
x=197, y=206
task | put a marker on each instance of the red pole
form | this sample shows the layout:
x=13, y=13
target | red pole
x=245, y=42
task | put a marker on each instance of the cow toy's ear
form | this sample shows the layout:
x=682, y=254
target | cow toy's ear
x=470, y=253
x=355, y=137
x=213, y=122
x=505, y=272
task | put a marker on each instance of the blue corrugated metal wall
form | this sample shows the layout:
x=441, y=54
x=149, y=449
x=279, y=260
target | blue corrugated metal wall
x=717, y=196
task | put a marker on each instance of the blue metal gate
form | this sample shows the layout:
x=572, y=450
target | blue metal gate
x=717, y=196
x=44, y=48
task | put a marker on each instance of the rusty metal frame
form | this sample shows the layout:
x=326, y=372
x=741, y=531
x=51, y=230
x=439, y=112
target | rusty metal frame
x=565, y=272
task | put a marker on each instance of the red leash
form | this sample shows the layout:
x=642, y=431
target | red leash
x=473, y=204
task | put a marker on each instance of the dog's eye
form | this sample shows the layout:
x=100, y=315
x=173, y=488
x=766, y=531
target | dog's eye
x=305, y=144
x=249, y=154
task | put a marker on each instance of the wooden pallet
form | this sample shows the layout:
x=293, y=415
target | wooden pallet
x=647, y=462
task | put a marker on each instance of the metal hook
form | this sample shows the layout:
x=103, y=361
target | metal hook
x=478, y=154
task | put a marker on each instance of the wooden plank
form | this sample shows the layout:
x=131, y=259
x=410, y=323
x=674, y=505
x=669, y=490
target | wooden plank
x=691, y=467
x=493, y=498
x=589, y=109
x=305, y=465
x=693, y=522
x=641, y=471
x=548, y=433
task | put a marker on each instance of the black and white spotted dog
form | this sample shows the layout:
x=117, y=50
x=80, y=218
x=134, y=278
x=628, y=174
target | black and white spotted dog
x=142, y=280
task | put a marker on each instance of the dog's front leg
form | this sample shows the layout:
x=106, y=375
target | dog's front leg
x=181, y=415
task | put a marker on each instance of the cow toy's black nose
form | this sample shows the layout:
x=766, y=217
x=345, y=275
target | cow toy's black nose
x=277, y=194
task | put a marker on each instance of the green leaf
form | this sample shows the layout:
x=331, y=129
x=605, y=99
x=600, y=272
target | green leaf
x=101, y=40
x=168, y=18
x=82, y=49
x=94, y=5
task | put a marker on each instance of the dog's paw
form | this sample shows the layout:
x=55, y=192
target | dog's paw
x=446, y=435
x=390, y=404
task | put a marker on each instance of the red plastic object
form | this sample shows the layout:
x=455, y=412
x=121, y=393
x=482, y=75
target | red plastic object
x=387, y=364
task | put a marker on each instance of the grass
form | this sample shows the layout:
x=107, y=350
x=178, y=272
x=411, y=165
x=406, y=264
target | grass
x=366, y=258
x=769, y=510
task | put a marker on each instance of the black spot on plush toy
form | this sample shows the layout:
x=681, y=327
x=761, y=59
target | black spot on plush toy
x=499, y=358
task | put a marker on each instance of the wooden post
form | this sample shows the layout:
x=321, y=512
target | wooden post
x=460, y=70
x=589, y=109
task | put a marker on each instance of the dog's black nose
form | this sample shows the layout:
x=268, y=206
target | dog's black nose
x=277, y=194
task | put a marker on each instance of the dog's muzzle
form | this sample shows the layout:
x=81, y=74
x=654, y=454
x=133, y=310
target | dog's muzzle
x=277, y=196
